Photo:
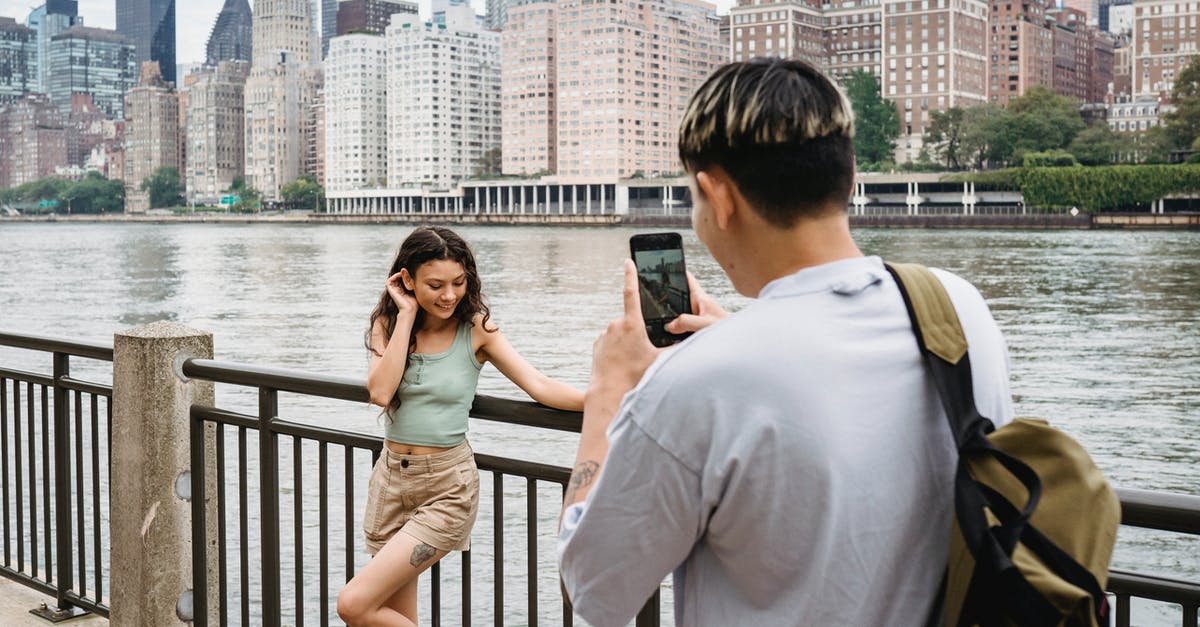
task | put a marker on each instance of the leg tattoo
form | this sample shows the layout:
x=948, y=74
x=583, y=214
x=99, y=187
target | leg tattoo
x=421, y=553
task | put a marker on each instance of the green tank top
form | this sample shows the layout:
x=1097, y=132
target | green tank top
x=436, y=393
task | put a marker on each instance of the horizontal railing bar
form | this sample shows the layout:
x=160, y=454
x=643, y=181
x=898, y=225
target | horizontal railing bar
x=520, y=468
x=323, y=434
x=343, y=388
x=1154, y=587
x=26, y=377
x=1165, y=511
x=28, y=580
x=88, y=387
x=87, y=604
x=224, y=416
x=90, y=350
x=526, y=413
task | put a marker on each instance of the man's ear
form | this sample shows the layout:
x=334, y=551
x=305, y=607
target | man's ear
x=718, y=189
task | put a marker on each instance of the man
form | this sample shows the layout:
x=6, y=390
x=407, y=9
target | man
x=790, y=463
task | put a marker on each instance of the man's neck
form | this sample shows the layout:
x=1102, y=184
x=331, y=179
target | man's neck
x=811, y=242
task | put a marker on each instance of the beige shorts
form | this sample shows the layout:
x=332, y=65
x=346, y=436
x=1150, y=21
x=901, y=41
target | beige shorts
x=433, y=498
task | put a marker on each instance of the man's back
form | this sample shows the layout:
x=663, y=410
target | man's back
x=793, y=461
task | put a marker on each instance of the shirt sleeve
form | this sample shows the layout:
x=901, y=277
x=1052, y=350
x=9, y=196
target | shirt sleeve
x=638, y=523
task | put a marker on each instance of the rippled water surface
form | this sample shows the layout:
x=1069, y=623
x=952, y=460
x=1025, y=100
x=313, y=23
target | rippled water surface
x=1103, y=330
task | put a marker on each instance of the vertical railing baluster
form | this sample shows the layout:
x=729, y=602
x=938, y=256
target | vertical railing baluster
x=96, y=548
x=298, y=525
x=199, y=524
x=531, y=549
x=19, y=475
x=222, y=530
x=4, y=465
x=1122, y=613
x=498, y=544
x=33, y=523
x=62, y=531
x=268, y=485
x=435, y=593
x=568, y=613
x=466, y=588
x=323, y=508
x=349, y=510
x=79, y=528
x=243, y=527
x=1189, y=614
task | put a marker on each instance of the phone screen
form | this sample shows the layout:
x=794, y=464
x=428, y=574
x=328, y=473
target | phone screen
x=662, y=282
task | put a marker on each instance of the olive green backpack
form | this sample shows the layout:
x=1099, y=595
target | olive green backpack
x=1035, y=521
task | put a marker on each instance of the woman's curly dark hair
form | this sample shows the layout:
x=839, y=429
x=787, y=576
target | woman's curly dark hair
x=430, y=243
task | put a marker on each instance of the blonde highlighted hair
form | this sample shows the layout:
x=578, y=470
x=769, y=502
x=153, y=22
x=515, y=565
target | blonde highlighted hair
x=783, y=132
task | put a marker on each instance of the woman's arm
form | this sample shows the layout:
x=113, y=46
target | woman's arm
x=510, y=363
x=388, y=358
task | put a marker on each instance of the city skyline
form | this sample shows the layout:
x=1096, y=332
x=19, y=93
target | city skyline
x=194, y=19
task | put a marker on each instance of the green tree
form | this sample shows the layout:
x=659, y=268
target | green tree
x=489, y=165
x=876, y=123
x=984, y=137
x=94, y=194
x=944, y=136
x=248, y=197
x=1042, y=120
x=163, y=186
x=1096, y=145
x=306, y=192
x=1183, y=124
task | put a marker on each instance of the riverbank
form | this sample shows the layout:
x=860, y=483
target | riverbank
x=1035, y=221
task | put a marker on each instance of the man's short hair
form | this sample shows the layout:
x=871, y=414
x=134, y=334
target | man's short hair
x=782, y=131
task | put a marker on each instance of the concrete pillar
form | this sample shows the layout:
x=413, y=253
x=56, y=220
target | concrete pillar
x=150, y=522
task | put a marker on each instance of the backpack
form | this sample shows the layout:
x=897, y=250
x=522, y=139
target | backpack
x=1035, y=521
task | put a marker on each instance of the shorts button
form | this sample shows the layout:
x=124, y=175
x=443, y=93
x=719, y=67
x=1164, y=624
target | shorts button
x=404, y=463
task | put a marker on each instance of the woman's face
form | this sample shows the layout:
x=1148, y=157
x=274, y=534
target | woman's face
x=439, y=287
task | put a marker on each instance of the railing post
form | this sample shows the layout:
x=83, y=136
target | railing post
x=150, y=489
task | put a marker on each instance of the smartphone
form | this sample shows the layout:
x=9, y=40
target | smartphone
x=662, y=282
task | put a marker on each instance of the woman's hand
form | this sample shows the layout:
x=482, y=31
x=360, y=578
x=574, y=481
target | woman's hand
x=405, y=301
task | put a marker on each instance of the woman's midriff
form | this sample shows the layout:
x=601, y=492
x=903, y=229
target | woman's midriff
x=414, y=449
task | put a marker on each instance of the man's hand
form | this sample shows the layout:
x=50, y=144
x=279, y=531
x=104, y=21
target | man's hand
x=707, y=311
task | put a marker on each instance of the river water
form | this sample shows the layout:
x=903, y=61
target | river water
x=1103, y=329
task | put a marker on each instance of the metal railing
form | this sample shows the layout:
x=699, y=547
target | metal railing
x=55, y=524
x=73, y=475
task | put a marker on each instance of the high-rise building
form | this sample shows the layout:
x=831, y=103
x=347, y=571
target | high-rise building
x=150, y=25
x=1122, y=68
x=496, y=14
x=151, y=133
x=48, y=20
x=232, y=37
x=443, y=85
x=33, y=142
x=1074, y=44
x=94, y=61
x=853, y=38
x=1104, y=9
x=372, y=16
x=87, y=128
x=325, y=14
x=624, y=76
x=785, y=29
x=1164, y=42
x=216, y=130
x=356, y=128
x=18, y=60
x=1022, y=49
x=314, y=136
x=528, y=82
x=283, y=26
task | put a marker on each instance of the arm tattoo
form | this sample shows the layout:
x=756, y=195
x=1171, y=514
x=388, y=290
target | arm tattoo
x=581, y=477
x=421, y=553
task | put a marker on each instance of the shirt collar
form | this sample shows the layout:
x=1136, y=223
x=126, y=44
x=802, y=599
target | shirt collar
x=845, y=277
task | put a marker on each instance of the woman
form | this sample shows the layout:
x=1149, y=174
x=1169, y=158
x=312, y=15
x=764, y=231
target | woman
x=429, y=336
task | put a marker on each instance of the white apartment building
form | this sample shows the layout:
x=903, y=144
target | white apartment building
x=528, y=80
x=443, y=103
x=216, y=150
x=356, y=127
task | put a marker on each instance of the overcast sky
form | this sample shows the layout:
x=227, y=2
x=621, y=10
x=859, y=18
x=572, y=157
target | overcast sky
x=193, y=19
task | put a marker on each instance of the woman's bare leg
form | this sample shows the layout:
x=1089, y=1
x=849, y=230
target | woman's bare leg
x=384, y=592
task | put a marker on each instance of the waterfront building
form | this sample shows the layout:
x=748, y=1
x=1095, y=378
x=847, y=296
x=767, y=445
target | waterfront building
x=934, y=58
x=95, y=61
x=283, y=26
x=88, y=127
x=232, y=37
x=18, y=60
x=33, y=140
x=496, y=13
x=150, y=25
x=784, y=29
x=151, y=133
x=314, y=134
x=48, y=20
x=625, y=72
x=215, y=131
x=528, y=82
x=1135, y=115
x=853, y=38
x=1083, y=56
x=356, y=147
x=1022, y=49
x=1122, y=68
x=443, y=104
x=1164, y=41
x=372, y=16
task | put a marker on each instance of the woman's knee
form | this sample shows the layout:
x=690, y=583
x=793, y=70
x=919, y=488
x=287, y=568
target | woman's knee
x=353, y=607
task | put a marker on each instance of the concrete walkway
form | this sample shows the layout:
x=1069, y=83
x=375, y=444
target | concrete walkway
x=16, y=600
